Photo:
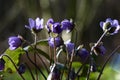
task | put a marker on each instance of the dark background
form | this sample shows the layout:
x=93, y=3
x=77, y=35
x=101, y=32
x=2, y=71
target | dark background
x=87, y=15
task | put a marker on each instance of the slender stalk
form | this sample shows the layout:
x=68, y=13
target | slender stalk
x=43, y=63
x=50, y=55
x=30, y=71
x=96, y=44
x=14, y=65
x=108, y=58
x=55, y=60
x=36, y=50
x=92, y=49
x=70, y=64
x=76, y=35
x=35, y=42
x=82, y=66
x=36, y=66
x=89, y=69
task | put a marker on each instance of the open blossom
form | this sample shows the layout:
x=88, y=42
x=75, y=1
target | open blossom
x=67, y=25
x=14, y=42
x=35, y=25
x=54, y=27
x=58, y=41
x=111, y=25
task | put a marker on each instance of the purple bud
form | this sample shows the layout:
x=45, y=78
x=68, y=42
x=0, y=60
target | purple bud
x=58, y=41
x=67, y=25
x=82, y=53
x=14, y=42
x=99, y=49
x=49, y=24
x=54, y=27
x=2, y=64
x=70, y=47
x=22, y=68
x=56, y=74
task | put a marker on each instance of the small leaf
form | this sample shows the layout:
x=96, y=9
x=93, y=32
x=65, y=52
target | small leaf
x=14, y=55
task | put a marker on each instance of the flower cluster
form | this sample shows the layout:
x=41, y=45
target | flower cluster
x=57, y=45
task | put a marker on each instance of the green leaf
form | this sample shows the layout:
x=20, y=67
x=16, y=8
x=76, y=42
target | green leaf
x=43, y=53
x=33, y=50
x=76, y=64
x=14, y=55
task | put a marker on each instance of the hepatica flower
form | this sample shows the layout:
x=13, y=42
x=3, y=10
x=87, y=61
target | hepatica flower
x=67, y=25
x=70, y=47
x=14, y=42
x=58, y=41
x=82, y=53
x=111, y=25
x=99, y=49
x=54, y=27
x=49, y=24
x=55, y=74
x=35, y=25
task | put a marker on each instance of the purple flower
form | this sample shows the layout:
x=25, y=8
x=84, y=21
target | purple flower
x=111, y=25
x=67, y=25
x=82, y=53
x=49, y=24
x=58, y=41
x=35, y=25
x=54, y=27
x=2, y=64
x=72, y=74
x=70, y=47
x=22, y=68
x=14, y=42
x=56, y=74
x=99, y=49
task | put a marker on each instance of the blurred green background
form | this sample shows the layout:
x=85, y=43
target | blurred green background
x=87, y=14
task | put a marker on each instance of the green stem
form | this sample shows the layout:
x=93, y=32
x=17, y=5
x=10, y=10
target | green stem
x=35, y=42
x=43, y=63
x=36, y=66
x=55, y=60
x=92, y=49
x=70, y=64
x=30, y=71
